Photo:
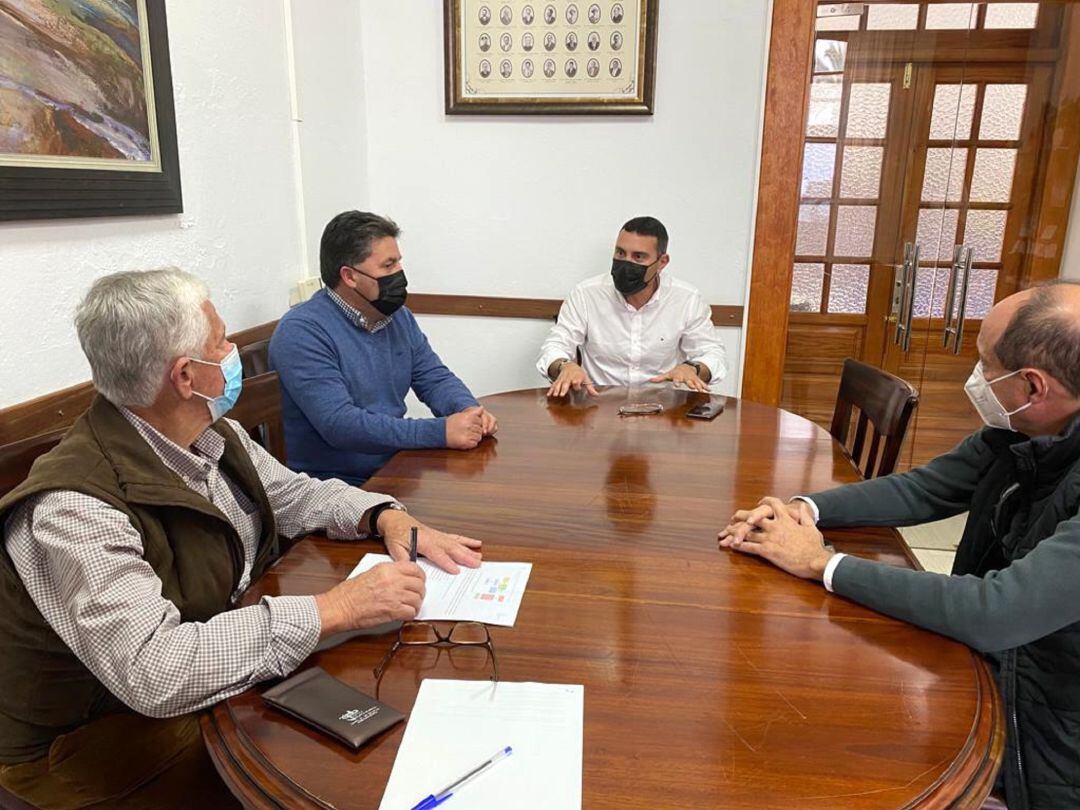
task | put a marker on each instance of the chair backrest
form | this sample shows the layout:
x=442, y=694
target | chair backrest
x=259, y=411
x=255, y=358
x=884, y=402
x=17, y=458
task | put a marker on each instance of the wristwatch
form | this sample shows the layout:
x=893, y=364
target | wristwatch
x=561, y=363
x=697, y=368
x=376, y=511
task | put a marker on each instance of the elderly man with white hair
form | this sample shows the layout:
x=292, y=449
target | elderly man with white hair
x=129, y=544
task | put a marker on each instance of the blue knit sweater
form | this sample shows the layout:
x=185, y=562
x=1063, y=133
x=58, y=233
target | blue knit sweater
x=343, y=390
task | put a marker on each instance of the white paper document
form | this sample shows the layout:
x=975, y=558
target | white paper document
x=490, y=594
x=456, y=725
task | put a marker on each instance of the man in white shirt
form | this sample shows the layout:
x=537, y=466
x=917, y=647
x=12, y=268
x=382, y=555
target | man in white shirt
x=634, y=325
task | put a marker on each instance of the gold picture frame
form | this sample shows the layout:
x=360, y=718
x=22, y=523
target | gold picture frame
x=535, y=57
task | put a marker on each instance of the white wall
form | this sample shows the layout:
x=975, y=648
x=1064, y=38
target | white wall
x=502, y=206
x=1070, y=257
x=527, y=206
x=239, y=230
x=333, y=144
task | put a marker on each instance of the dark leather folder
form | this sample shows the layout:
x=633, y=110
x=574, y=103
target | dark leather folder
x=317, y=698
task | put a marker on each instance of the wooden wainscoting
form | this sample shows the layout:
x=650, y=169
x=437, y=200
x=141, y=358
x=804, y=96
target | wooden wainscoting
x=814, y=360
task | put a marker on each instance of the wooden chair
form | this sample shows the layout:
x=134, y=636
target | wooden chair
x=17, y=458
x=884, y=402
x=255, y=358
x=259, y=411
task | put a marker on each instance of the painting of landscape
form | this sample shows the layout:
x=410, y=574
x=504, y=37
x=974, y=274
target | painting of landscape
x=76, y=86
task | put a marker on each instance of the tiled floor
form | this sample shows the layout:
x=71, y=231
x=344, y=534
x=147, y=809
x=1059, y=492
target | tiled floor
x=935, y=544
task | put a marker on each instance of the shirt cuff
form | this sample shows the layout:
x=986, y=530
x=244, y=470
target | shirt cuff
x=830, y=570
x=294, y=629
x=813, y=506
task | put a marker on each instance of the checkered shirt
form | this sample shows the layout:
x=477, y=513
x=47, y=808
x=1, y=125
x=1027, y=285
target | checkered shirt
x=82, y=562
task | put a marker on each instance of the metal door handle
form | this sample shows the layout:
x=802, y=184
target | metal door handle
x=904, y=294
x=965, y=265
x=950, y=296
x=911, y=249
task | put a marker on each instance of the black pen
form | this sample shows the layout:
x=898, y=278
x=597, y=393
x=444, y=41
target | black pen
x=412, y=544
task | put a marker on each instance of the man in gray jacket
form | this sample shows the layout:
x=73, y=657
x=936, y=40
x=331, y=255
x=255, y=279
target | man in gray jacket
x=1014, y=594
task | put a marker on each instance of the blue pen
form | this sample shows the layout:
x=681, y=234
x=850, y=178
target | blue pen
x=435, y=799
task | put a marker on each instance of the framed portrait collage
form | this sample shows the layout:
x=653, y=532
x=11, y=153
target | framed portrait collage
x=550, y=56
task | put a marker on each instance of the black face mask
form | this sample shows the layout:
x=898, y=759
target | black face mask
x=392, y=292
x=629, y=276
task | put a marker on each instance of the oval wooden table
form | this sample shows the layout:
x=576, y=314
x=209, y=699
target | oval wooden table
x=711, y=679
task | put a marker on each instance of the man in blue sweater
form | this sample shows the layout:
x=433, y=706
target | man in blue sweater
x=348, y=356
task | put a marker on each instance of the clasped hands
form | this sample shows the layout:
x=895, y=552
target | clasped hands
x=782, y=533
x=468, y=428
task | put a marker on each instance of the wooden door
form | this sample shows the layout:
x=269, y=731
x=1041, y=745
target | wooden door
x=961, y=94
x=977, y=139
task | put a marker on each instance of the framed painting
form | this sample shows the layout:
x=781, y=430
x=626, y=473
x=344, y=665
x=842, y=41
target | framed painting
x=534, y=56
x=87, y=125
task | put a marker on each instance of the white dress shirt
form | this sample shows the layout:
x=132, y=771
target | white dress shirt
x=621, y=345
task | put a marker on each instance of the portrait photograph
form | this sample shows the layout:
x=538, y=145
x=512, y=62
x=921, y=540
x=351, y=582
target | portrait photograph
x=582, y=61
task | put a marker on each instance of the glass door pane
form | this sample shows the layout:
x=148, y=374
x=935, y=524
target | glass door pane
x=1001, y=156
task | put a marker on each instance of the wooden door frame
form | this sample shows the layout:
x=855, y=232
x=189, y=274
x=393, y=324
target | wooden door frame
x=791, y=49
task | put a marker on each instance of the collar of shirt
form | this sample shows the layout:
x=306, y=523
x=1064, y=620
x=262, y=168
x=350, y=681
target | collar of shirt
x=661, y=293
x=209, y=448
x=356, y=316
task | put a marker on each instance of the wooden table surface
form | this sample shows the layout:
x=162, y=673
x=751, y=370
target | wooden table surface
x=711, y=679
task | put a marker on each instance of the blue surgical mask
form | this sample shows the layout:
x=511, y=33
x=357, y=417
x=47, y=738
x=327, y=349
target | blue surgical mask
x=233, y=373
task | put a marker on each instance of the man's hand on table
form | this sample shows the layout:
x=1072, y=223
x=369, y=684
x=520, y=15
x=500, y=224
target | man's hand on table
x=488, y=423
x=571, y=377
x=748, y=520
x=387, y=593
x=683, y=374
x=447, y=551
x=466, y=429
x=782, y=533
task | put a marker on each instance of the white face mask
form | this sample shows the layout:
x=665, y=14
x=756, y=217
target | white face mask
x=991, y=410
